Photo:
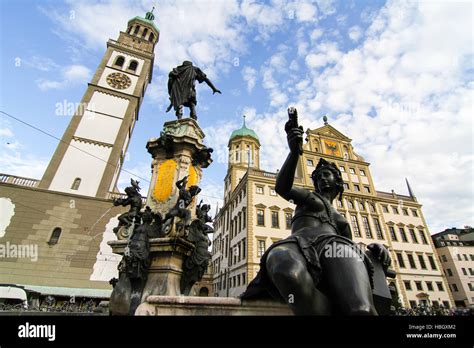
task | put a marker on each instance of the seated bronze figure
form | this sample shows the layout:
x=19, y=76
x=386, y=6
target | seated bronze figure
x=303, y=269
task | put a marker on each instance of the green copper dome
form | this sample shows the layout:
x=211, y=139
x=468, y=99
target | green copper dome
x=149, y=17
x=244, y=132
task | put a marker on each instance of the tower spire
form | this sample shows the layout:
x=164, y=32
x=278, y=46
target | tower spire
x=410, y=191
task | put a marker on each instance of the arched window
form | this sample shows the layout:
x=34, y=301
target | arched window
x=350, y=204
x=137, y=28
x=119, y=61
x=145, y=31
x=372, y=208
x=204, y=292
x=55, y=236
x=151, y=37
x=133, y=65
x=129, y=30
x=361, y=206
x=76, y=184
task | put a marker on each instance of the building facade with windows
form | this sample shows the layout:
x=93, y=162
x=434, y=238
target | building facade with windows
x=455, y=247
x=64, y=220
x=254, y=216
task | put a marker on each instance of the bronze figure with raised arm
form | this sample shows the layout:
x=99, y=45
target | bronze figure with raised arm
x=318, y=269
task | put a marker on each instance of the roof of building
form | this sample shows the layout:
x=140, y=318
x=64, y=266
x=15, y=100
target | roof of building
x=244, y=132
x=148, y=20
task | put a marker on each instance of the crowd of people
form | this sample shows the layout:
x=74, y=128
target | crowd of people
x=428, y=310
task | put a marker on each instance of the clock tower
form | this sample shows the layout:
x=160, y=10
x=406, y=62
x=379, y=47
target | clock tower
x=92, y=150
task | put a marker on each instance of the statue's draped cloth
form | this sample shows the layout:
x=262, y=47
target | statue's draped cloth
x=181, y=85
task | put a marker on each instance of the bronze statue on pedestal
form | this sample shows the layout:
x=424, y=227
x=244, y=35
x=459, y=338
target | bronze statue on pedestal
x=181, y=88
x=318, y=269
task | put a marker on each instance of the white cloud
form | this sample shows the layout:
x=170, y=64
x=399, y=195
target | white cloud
x=355, y=33
x=70, y=75
x=249, y=75
x=422, y=104
x=14, y=163
x=40, y=63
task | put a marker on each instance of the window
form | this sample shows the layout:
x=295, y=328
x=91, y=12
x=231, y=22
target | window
x=471, y=271
x=419, y=286
x=371, y=207
x=260, y=190
x=356, y=187
x=401, y=263
x=346, y=186
x=403, y=234
x=414, y=212
x=366, y=189
x=385, y=208
x=151, y=37
x=260, y=217
x=76, y=184
x=137, y=28
x=413, y=235
x=355, y=225
x=405, y=211
x=450, y=273
x=440, y=286
x=272, y=192
x=119, y=61
x=378, y=229
x=243, y=248
x=133, y=65
x=395, y=210
x=423, y=237
x=275, y=223
x=362, y=172
x=446, y=304
x=342, y=169
x=411, y=260
x=459, y=257
x=443, y=257
x=368, y=232
x=55, y=236
x=422, y=261
x=464, y=271
x=392, y=233
x=244, y=282
x=261, y=247
x=310, y=163
x=350, y=204
x=455, y=287
x=145, y=31
x=432, y=262
x=244, y=218
x=352, y=170
x=407, y=284
x=339, y=203
x=288, y=217
x=412, y=304
x=465, y=257
x=471, y=286
x=429, y=285
x=361, y=205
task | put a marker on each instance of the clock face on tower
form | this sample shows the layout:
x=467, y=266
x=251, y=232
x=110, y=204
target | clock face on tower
x=118, y=80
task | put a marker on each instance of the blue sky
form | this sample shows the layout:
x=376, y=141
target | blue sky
x=396, y=77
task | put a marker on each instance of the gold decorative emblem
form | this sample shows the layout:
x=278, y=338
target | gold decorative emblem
x=118, y=80
x=332, y=148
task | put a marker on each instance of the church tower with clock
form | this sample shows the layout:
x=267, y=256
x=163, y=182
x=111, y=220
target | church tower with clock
x=90, y=155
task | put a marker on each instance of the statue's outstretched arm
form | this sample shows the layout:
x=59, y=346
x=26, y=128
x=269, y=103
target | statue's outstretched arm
x=284, y=182
x=210, y=84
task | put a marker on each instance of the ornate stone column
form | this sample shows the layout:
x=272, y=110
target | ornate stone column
x=178, y=152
